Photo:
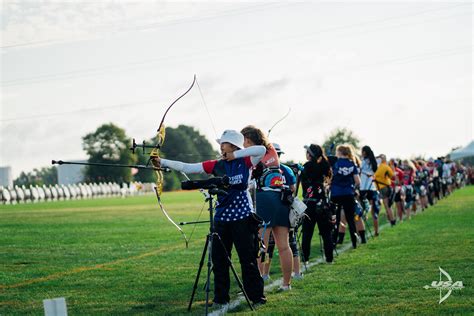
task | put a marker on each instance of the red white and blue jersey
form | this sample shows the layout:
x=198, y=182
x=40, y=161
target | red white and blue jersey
x=237, y=204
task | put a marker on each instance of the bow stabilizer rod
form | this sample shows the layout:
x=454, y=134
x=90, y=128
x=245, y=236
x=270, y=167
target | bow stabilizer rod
x=142, y=146
x=60, y=162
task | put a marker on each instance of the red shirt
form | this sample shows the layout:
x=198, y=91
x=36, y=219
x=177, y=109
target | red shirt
x=398, y=177
x=408, y=176
x=271, y=158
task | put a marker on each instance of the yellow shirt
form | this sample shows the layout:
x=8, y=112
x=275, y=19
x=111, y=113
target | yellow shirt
x=383, y=176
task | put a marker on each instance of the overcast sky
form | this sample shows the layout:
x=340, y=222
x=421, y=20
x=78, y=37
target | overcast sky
x=398, y=74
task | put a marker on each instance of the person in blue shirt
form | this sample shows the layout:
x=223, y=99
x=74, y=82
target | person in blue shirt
x=270, y=206
x=289, y=180
x=344, y=181
x=234, y=222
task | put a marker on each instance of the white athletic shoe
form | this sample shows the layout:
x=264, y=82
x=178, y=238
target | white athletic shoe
x=297, y=276
x=284, y=288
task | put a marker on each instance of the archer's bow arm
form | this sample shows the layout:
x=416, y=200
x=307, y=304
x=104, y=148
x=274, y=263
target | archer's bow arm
x=255, y=153
x=188, y=168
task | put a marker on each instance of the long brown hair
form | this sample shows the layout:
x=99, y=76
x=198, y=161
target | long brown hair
x=256, y=136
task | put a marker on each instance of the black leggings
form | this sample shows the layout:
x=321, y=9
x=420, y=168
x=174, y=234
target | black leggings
x=241, y=234
x=347, y=203
x=315, y=216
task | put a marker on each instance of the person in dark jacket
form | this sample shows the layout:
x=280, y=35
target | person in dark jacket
x=316, y=172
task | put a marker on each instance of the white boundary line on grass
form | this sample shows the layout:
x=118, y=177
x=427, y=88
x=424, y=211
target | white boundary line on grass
x=235, y=303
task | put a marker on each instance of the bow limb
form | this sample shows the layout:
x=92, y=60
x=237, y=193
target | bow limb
x=159, y=189
x=284, y=117
x=161, y=132
x=169, y=218
x=171, y=105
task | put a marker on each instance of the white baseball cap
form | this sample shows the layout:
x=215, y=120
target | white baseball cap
x=277, y=148
x=233, y=137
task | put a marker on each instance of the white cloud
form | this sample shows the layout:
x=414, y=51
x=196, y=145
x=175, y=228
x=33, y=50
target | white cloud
x=250, y=74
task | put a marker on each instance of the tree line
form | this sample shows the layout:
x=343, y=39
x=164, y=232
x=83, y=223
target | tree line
x=110, y=144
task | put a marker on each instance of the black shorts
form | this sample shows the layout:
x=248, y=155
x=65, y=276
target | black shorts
x=398, y=194
x=369, y=194
x=409, y=194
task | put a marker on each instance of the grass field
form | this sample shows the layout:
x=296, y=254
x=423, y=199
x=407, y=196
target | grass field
x=121, y=256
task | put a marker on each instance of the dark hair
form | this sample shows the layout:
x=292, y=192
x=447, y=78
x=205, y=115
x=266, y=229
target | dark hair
x=316, y=152
x=370, y=154
x=256, y=136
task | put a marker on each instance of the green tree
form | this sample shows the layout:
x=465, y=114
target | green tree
x=108, y=144
x=46, y=175
x=340, y=136
x=183, y=143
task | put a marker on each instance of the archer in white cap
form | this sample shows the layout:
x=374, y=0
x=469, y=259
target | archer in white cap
x=234, y=219
x=232, y=137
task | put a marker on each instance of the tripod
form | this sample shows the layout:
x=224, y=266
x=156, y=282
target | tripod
x=210, y=239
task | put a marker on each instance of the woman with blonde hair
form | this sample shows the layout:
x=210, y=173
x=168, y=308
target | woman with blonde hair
x=270, y=206
x=344, y=181
x=383, y=180
x=360, y=226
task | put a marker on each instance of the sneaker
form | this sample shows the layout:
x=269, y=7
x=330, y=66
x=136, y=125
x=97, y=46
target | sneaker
x=284, y=288
x=305, y=267
x=265, y=277
x=220, y=307
x=297, y=276
x=217, y=305
x=358, y=238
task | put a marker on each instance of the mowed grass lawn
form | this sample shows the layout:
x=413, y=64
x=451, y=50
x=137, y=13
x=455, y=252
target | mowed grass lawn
x=387, y=275
x=121, y=256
